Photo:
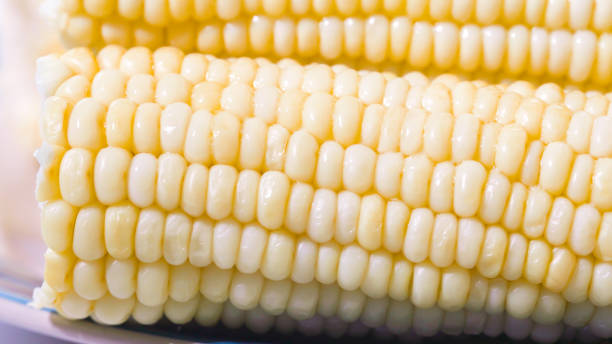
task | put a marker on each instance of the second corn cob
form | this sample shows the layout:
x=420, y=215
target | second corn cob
x=576, y=15
x=533, y=40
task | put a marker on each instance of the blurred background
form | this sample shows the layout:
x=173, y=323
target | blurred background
x=25, y=34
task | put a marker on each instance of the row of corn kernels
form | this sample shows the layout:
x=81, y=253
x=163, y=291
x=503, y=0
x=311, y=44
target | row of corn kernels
x=150, y=234
x=576, y=15
x=388, y=90
x=322, y=117
x=271, y=198
x=402, y=319
x=516, y=50
x=450, y=289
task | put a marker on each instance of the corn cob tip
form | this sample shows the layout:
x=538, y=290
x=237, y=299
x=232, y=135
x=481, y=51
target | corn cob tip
x=50, y=73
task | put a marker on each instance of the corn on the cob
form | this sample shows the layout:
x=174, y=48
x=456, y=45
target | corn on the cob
x=418, y=38
x=161, y=169
x=555, y=14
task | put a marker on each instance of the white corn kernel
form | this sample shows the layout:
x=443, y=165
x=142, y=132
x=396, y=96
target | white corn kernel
x=58, y=222
x=395, y=222
x=329, y=165
x=469, y=181
x=441, y=188
x=200, y=245
x=443, y=240
x=119, y=227
x=176, y=238
x=112, y=311
x=321, y=221
x=197, y=138
x=146, y=128
x=75, y=176
x=515, y=259
x=152, y=283
x=418, y=235
x=416, y=176
x=425, y=285
x=245, y=290
x=110, y=174
x=245, y=197
x=493, y=252
x=252, y=245
x=370, y=225
x=348, y=207
x=352, y=267
x=220, y=191
x=327, y=262
x=215, y=283
x=88, y=236
x=149, y=234
x=437, y=134
x=301, y=156
x=304, y=261
x=252, y=144
x=121, y=277
x=88, y=279
x=277, y=262
x=225, y=138
x=226, y=242
x=583, y=234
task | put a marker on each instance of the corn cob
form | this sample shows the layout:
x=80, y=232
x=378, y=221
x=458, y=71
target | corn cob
x=331, y=165
x=554, y=14
x=418, y=39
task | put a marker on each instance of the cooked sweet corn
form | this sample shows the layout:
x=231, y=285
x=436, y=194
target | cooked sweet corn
x=324, y=199
x=575, y=15
x=519, y=38
x=173, y=183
